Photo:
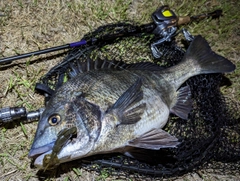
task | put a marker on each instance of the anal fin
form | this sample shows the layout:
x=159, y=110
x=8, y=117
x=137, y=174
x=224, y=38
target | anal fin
x=183, y=103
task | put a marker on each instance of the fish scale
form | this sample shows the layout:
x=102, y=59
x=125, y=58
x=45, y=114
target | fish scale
x=106, y=89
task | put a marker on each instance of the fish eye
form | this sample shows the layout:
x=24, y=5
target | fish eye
x=54, y=119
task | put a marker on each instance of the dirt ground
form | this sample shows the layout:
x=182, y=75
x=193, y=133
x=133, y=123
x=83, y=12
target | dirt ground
x=32, y=25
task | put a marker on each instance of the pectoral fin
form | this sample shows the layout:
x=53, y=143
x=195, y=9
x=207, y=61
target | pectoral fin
x=125, y=107
x=155, y=139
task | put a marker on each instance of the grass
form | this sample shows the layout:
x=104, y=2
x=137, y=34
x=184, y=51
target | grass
x=33, y=25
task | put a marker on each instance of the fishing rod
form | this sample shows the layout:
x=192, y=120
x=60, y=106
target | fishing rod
x=9, y=114
x=165, y=23
x=9, y=60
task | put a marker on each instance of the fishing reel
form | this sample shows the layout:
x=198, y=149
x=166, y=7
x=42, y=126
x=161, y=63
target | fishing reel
x=9, y=114
x=166, y=22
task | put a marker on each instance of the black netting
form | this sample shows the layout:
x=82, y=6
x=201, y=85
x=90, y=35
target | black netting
x=210, y=137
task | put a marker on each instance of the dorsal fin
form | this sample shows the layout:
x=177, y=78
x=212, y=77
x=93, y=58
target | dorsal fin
x=144, y=66
x=99, y=64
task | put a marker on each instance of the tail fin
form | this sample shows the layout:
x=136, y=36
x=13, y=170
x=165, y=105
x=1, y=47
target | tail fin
x=205, y=59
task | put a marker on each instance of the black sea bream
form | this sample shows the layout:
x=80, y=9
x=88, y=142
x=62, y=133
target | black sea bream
x=116, y=108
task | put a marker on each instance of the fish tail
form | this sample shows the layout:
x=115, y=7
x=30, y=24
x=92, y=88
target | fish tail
x=199, y=59
x=205, y=60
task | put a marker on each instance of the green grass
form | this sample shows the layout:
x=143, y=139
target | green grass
x=33, y=25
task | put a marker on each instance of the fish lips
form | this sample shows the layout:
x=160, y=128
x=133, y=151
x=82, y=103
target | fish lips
x=39, y=153
x=34, y=152
x=38, y=162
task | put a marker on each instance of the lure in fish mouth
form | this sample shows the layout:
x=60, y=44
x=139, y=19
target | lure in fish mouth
x=61, y=130
x=49, y=157
x=114, y=107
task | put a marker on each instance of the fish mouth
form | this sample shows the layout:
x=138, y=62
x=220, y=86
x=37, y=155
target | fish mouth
x=38, y=153
x=40, y=150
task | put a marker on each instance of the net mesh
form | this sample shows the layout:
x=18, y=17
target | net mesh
x=210, y=137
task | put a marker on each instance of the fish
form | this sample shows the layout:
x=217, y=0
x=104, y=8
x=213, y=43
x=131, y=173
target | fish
x=118, y=107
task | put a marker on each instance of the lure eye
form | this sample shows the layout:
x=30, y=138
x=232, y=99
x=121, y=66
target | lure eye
x=54, y=119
